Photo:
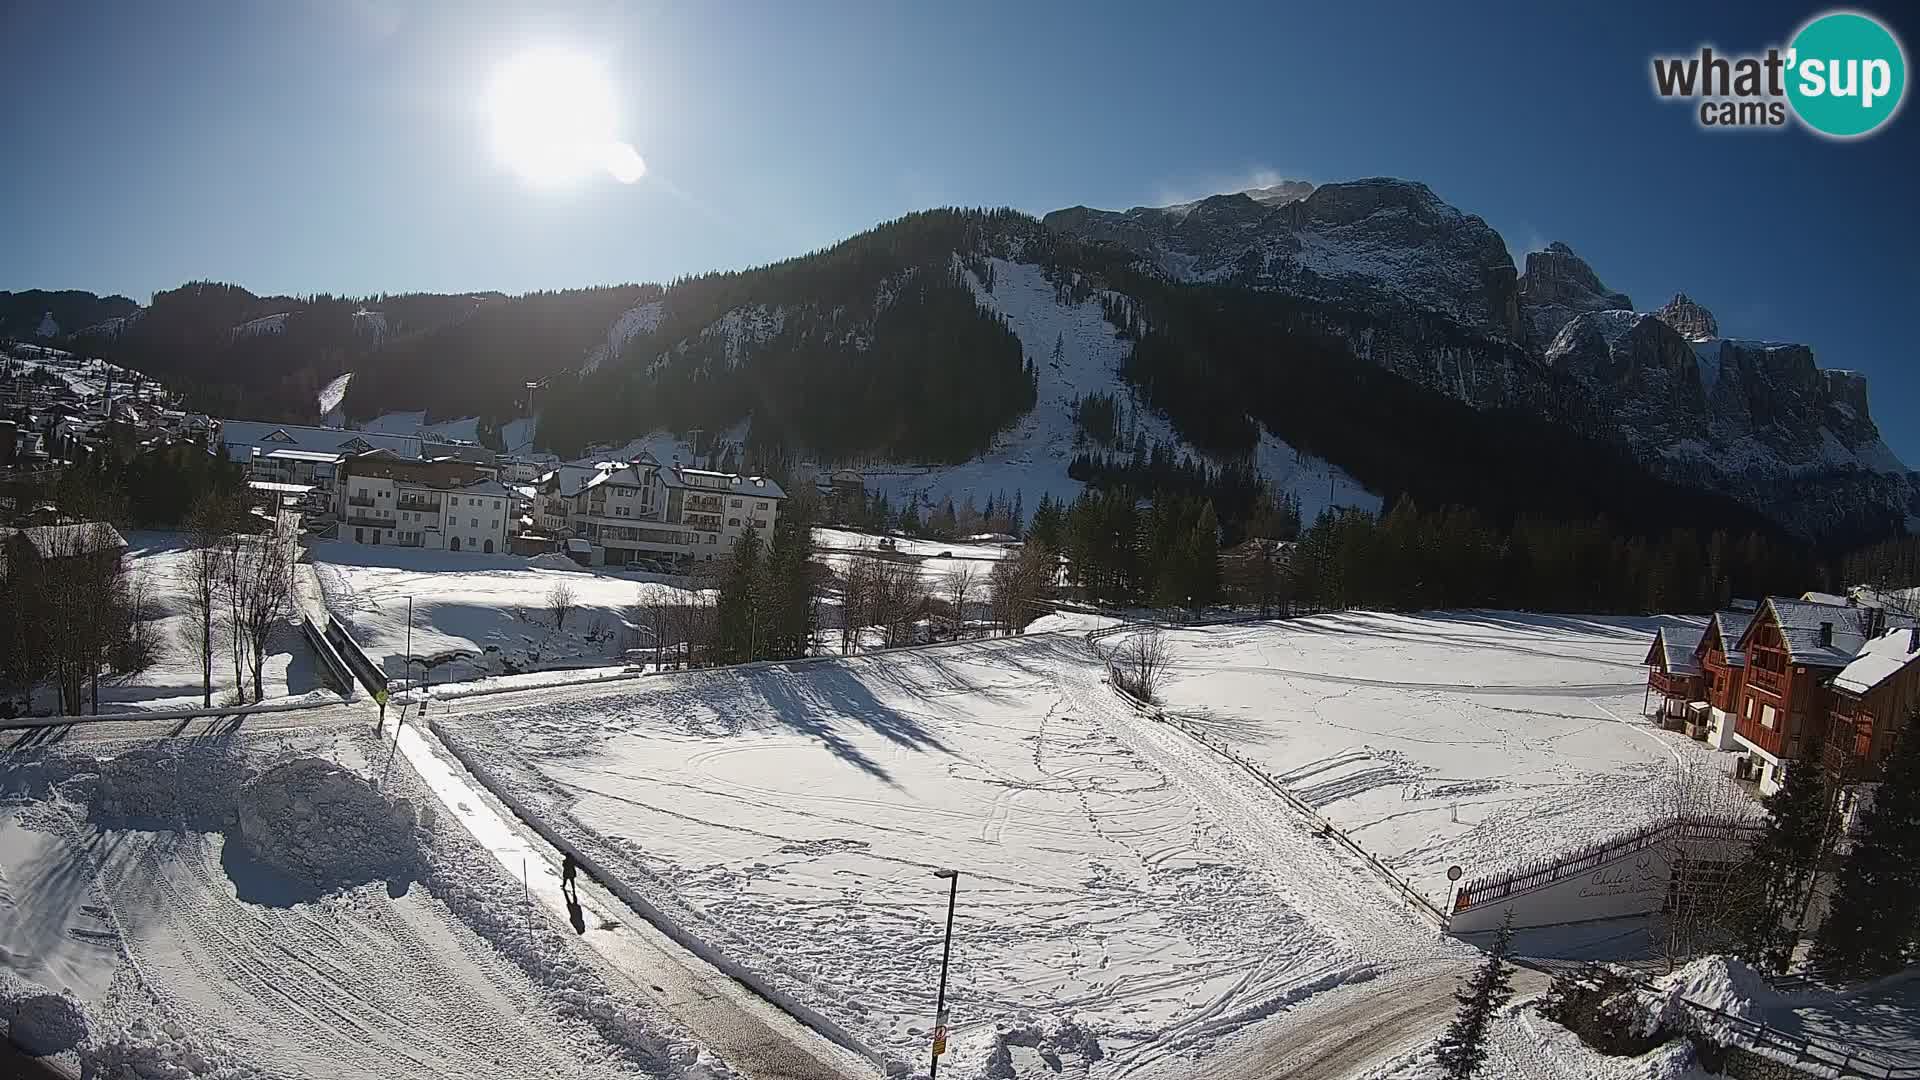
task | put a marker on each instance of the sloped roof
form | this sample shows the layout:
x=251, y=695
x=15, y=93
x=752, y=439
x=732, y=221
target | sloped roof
x=1879, y=660
x=760, y=487
x=1800, y=624
x=1731, y=624
x=1673, y=649
x=242, y=436
x=61, y=541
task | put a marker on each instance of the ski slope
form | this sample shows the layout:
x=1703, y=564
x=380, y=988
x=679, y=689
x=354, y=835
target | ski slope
x=1127, y=900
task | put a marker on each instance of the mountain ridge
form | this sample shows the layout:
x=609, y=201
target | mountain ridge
x=1383, y=267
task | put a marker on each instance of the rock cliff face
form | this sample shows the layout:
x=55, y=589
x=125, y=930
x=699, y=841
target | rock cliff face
x=1429, y=292
x=1557, y=286
x=1377, y=244
x=1757, y=420
x=1694, y=322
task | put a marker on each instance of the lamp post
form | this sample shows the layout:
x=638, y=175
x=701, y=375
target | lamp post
x=409, y=629
x=946, y=954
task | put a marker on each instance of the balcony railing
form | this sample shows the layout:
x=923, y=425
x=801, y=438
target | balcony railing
x=711, y=504
x=702, y=521
x=367, y=519
x=1773, y=682
x=419, y=504
x=1686, y=687
x=358, y=500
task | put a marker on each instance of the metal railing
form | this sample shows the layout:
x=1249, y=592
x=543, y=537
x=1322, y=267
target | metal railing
x=1500, y=886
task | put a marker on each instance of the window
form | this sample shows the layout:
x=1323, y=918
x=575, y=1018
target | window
x=496, y=504
x=733, y=523
x=760, y=505
x=736, y=502
x=1768, y=717
x=473, y=523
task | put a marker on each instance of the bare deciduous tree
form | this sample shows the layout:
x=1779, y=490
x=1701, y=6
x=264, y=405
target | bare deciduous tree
x=1140, y=665
x=896, y=601
x=561, y=599
x=201, y=575
x=263, y=600
x=1713, y=877
x=958, y=587
x=1015, y=586
x=856, y=591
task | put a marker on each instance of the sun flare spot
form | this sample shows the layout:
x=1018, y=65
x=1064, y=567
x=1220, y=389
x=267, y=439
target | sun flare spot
x=554, y=120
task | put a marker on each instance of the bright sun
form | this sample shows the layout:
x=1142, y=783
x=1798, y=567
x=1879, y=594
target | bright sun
x=554, y=122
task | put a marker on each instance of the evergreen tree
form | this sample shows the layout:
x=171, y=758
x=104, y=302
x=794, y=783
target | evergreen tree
x=736, y=616
x=786, y=592
x=910, y=517
x=1464, y=1046
x=1017, y=517
x=1045, y=531
x=1784, y=860
x=1874, y=925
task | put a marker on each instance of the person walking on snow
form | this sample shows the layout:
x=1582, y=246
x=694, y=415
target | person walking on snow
x=567, y=871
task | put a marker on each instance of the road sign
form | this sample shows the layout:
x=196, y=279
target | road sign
x=1454, y=872
x=939, y=1041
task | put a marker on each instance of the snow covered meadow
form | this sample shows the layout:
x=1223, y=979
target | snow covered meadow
x=244, y=907
x=475, y=615
x=1126, y=899
x=1478, y=738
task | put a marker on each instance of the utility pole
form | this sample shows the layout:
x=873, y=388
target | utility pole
x=946, y=955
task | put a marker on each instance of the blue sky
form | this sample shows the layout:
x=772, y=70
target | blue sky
x=343, y=147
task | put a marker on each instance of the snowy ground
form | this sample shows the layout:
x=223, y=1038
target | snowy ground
x=474, y=615
x=1478, y=738
x=1118, y=888
x=174, y=681
x=248, y=907
x=937, y=558
x=465, y=429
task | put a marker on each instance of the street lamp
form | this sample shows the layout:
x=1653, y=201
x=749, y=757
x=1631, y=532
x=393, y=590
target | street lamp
x=946, y=954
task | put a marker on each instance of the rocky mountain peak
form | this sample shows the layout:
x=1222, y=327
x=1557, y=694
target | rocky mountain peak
x=1280, y=194
x=1694, y=322
x=1557, y=286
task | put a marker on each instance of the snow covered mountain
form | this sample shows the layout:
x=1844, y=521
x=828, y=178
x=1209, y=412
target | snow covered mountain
x=1429, y=292
x=1380, y=244
x=1756, y=419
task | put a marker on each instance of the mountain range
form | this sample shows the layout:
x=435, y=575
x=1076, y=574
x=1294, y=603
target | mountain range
x=1350, y=341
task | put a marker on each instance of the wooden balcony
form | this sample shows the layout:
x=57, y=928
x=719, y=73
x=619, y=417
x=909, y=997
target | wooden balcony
x=1773, y=682
x=1683, y=687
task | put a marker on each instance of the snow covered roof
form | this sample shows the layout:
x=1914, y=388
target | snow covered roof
x=1824, y=598
x=1731, y=626
x=759, y=487
x=1805, y=627
x=1673, y=650
x=1879, y=660
x=242, y=437
x=61, y=541
x=574, y=479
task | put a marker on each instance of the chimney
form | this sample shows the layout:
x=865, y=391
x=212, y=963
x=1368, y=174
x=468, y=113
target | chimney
x=1876, y=622
x=1826, y=635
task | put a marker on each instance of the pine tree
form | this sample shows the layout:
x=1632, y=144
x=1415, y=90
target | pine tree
x=1464, y=1046
x=910, y=517
x=1874, y=923
x=736, y=617
x=1784, y=860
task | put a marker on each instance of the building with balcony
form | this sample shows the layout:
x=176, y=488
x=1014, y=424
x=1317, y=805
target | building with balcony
x=444, y=504
x=1872, y=698
x=1797, y=652
x=1674, y=674
x=643, y=511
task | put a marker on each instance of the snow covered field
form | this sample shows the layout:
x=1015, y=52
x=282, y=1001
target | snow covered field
x=1125, y=898
x=474, y=615
x=1478, y=738
x=937, y=558
x=250, y=907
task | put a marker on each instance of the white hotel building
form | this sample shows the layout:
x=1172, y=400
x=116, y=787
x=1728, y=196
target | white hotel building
x=630, y=511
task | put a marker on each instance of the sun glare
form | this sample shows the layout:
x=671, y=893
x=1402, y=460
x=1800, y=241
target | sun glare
x=554, y=120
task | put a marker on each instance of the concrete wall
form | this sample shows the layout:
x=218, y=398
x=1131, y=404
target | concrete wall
x=1631, y=882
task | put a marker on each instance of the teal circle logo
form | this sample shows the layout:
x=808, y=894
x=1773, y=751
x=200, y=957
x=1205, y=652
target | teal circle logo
x=1846, y=74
